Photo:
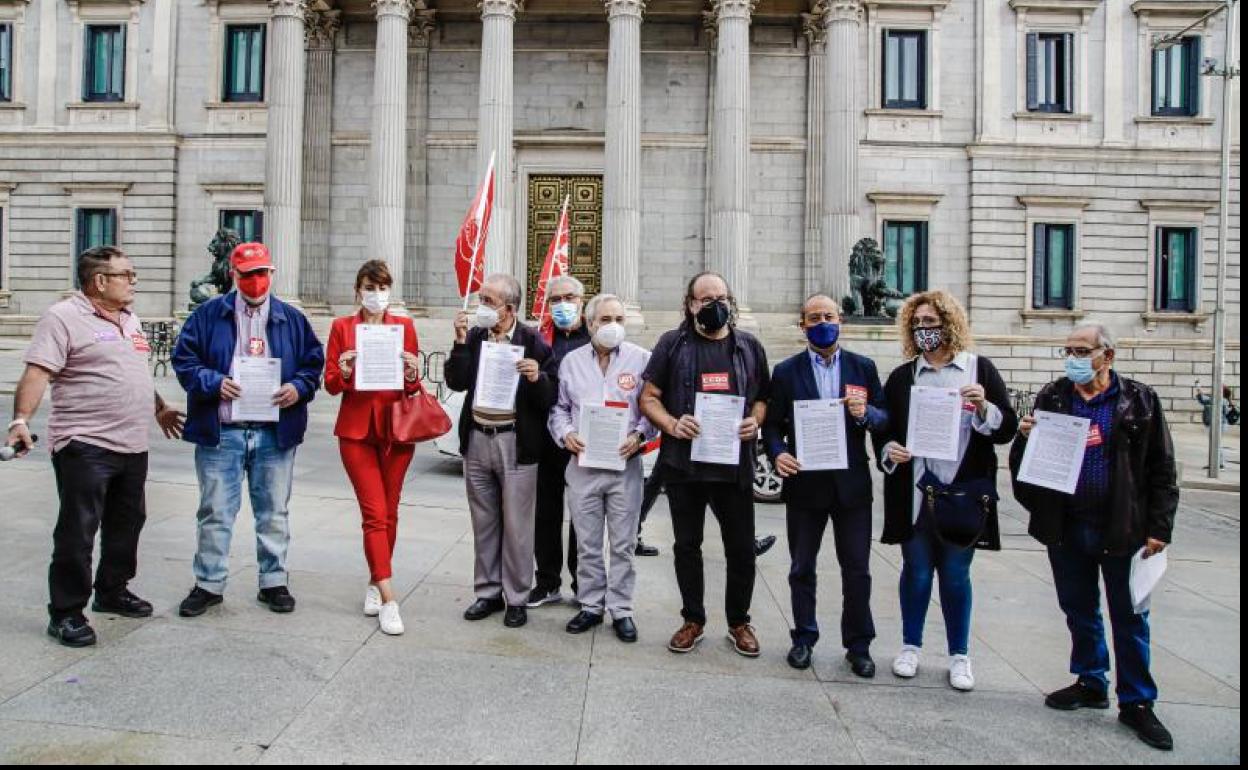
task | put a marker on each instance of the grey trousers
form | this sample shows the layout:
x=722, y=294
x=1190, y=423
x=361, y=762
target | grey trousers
x=501, y=495
x=605, y=503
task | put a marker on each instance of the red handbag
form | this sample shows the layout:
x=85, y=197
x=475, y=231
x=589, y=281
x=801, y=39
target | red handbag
x=418, y=417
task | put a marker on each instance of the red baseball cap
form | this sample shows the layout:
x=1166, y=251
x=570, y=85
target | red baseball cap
x=247, y=257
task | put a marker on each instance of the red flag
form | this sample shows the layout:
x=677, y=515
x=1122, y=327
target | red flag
x=470, y=245
x=556, y=264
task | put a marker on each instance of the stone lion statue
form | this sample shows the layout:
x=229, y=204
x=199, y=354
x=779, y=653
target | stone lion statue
x=217, y=280
x=869, y=296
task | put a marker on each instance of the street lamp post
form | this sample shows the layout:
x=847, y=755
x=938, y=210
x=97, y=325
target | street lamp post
x=1227, y=71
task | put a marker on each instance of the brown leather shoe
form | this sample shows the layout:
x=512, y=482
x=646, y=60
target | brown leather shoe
x=687, y=638
x=744, y=641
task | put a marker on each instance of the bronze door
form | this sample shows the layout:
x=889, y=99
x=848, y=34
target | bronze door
x=546, y=194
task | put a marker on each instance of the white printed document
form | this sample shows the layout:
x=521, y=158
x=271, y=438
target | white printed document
x=935, y=426
x=1145, y=575
x=259, y=378
x=719, y=417
x=603, y=429
x=379, y=357
x=497, y=378
x=819, y=432
x=1054, y=455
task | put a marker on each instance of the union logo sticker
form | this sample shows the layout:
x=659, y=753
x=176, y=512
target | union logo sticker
x=627, y=381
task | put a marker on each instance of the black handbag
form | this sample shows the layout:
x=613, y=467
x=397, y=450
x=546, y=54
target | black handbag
x=958, y=512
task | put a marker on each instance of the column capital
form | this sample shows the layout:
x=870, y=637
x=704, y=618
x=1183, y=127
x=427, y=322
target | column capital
x=812, y=25
x=290, y=8
x=624, y=8
x=507, y=8
x=835, y=11
x=321, y=28
x=420, y=28
x=733, y=9
x=400, y=8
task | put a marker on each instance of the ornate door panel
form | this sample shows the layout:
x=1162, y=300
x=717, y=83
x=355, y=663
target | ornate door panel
x=546, y=194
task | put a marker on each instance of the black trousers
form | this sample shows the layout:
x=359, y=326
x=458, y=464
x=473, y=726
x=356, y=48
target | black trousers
x=100, y=490
x=851, y=529
x=650, y=494
x=548, y=524
x=734, y=509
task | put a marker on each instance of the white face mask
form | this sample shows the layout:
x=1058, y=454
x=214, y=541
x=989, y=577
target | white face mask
x=610, y=336
x=487, y=317
x=375, y=301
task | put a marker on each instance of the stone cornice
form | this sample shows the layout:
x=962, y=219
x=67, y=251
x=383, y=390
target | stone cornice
x=1053, y=202
x=1175, y=7
x=1186, y=204
x=289, y=8
x=625, y=8
x=507, y=8
x=321, y=28
x=905, y=198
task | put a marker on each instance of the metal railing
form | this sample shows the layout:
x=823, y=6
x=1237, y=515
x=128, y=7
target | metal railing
x=161, y=336
x=1023, y=401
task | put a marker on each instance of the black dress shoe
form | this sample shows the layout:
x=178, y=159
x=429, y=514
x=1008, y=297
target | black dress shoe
x=583, y=621
x=1140, y=718
x=122, y=603
x=763, y=544
x=861, y=664
x=278, y=599
x=197, y=602
x=645, y=550
x=625, y=630
x=800, y=656
x=483, y=608
x=515, y=617
x=72, y=632
x=1077, y=696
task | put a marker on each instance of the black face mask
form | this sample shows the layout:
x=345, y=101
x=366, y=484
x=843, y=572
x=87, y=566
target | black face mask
x=714, y=316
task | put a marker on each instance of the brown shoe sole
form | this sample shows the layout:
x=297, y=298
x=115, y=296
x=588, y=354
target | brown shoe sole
x=683, y=650
x=741, y=652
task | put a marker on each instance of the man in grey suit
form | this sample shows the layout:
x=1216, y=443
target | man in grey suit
x=501, y=449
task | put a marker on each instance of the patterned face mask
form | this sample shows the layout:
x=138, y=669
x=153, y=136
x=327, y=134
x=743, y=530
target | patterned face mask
x=928, y=340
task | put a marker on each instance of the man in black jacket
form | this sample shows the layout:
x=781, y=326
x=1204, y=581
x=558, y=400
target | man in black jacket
x=1124, y=504
x=501, y=446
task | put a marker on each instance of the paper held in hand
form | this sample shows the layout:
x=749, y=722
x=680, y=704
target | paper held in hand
x=602, y=429
x=379, y=357
x=719, y=418
x=497, y=378
x=1145, y=575
x=819, y=431
x=934, y=429
x=259, y=379
x=1054, y=455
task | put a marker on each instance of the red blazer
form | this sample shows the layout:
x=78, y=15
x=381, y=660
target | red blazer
x=360, y=408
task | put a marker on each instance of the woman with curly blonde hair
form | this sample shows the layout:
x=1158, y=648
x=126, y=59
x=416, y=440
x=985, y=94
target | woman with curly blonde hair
x=941, y=511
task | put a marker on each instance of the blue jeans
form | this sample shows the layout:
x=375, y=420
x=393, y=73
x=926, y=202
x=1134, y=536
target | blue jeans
x=269, y=472
x=924, y=556
x=1078, y=563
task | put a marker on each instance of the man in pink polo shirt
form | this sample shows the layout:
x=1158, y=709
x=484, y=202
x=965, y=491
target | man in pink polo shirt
x=91, y=349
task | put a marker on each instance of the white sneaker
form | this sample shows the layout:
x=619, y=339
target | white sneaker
x=960, y=676
x=372, y=602
x=389, y=620
x=906, y=664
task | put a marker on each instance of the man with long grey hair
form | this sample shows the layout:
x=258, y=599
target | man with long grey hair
x=603, y=493
x=1122, y=510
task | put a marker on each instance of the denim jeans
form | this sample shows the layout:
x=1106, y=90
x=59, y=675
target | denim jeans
x=252, y=452
x=1078, y=563
x=923, y=557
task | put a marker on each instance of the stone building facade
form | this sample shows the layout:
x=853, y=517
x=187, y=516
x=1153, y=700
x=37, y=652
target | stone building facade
x=761, y=138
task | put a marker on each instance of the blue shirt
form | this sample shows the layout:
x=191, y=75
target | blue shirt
x=827, y=374
x=1092, y=495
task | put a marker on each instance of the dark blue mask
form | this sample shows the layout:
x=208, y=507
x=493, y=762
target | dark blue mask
x=823, y=335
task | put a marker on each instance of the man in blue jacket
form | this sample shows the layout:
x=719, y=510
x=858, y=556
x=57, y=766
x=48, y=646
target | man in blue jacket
x=826, y=371
x=245, y=323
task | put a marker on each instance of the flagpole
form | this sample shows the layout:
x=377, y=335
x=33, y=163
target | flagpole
x=558, y=231
x=476, y=246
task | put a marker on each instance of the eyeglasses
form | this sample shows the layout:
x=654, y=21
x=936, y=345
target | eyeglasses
x=129, y=275
x=926, y=323
x=1067, y=352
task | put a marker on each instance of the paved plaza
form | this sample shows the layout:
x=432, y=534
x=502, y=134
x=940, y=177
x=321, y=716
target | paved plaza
x=243, y=685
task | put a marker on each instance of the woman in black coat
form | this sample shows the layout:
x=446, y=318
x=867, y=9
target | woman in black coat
x=936, y=339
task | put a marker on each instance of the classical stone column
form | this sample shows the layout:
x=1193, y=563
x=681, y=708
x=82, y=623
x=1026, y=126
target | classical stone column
x=622, y=183
x=283, y=162
x=419, y=34
x=322, y=27
x=494, y=126
x=840, y=221
x=730, y=175
x=387, y=156
x=812, y=28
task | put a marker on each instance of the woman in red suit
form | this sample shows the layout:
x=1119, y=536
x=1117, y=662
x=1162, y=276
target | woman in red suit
x=375, y=464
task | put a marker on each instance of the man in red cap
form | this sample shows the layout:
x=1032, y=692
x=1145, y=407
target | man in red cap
x=250, y=364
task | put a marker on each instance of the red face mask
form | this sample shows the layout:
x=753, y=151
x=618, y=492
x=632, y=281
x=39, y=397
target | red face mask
x=255, y=285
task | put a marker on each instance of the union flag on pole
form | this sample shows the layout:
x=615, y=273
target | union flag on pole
x=556, y=264
x=470, y=245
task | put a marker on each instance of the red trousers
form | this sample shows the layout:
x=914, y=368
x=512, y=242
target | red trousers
x=376, y=469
